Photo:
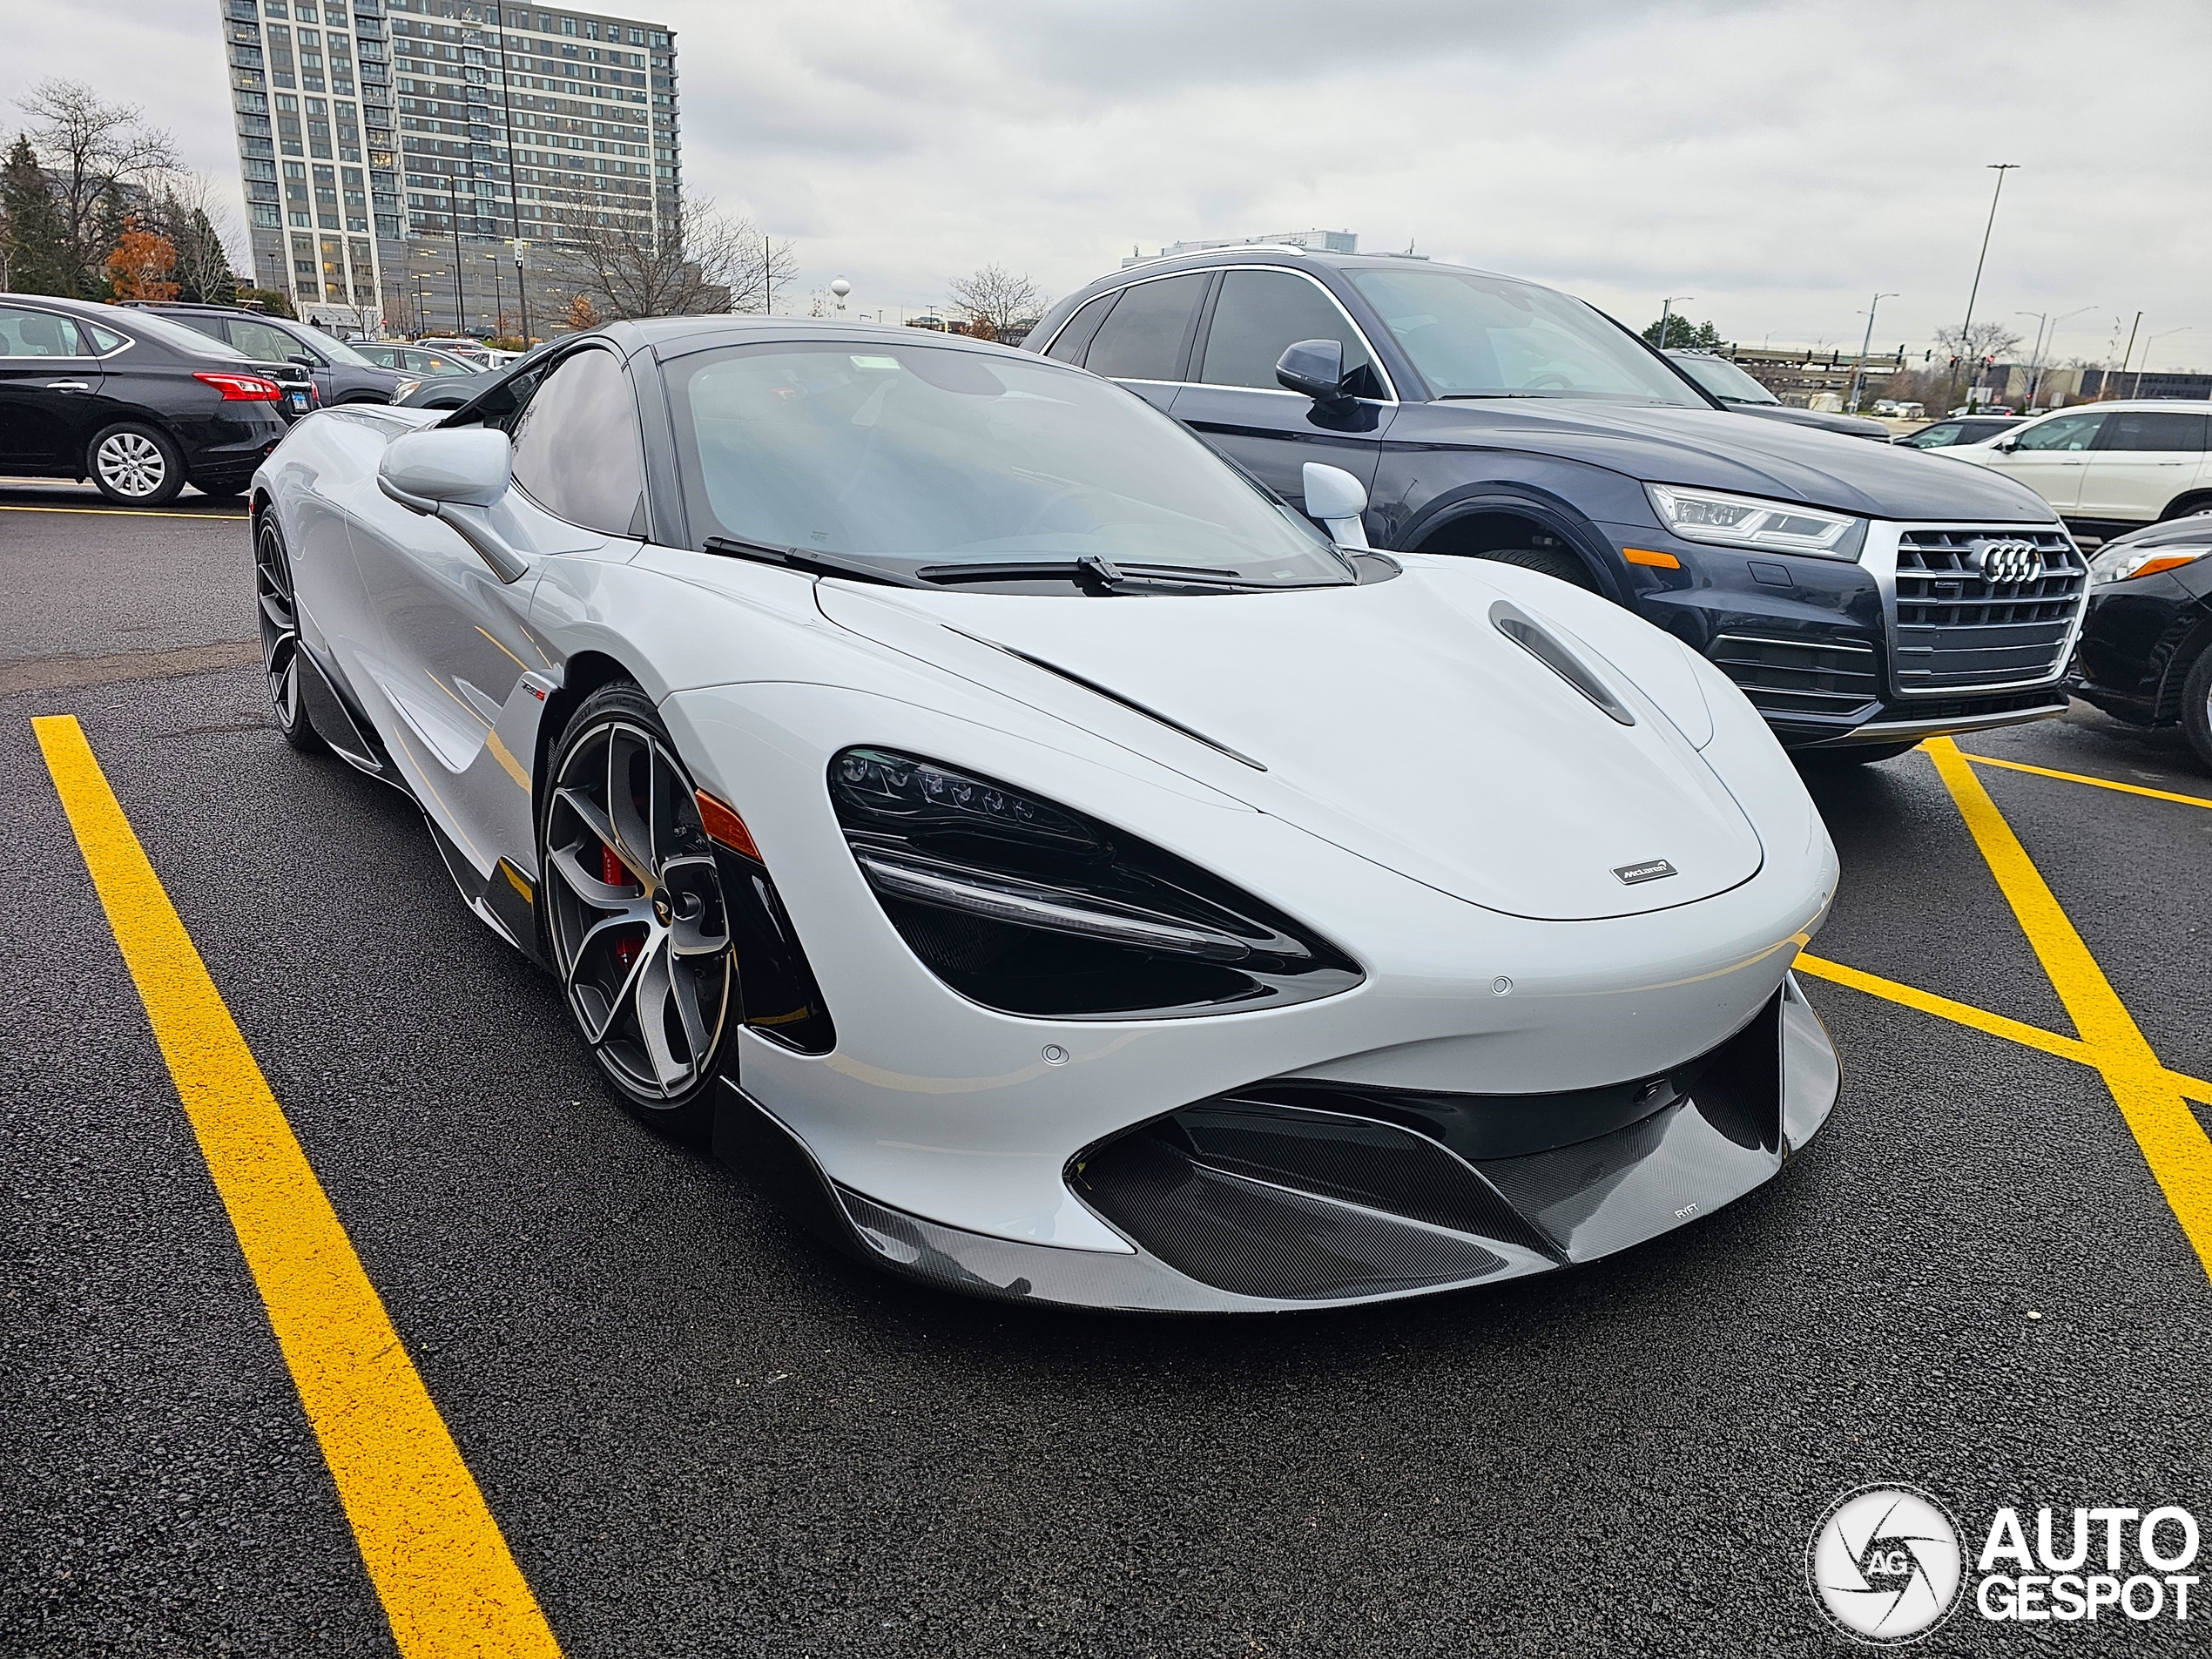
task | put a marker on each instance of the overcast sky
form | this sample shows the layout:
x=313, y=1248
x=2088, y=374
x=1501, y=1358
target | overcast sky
x=1777, y=161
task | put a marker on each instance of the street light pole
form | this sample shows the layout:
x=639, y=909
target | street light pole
x=524, y=290
x=1666, y=306
x=1858, y=373
x=1966, y=329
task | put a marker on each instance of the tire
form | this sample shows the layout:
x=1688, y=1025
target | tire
x=275, y=597
x=1545, y=561
x=644, y=961
x=2196, y=708
x=135, y=465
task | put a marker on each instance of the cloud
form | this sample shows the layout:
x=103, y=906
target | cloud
x=1777, y=161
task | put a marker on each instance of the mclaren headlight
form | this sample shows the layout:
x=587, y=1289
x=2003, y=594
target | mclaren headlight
x=1744, y=520
x=2128, y=563
x=1031, y=908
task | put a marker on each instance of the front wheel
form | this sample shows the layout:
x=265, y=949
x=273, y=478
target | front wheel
x=1545, y=561
x=632, y=907
x=279, y=607
x=2196, y=708
x=136, y=466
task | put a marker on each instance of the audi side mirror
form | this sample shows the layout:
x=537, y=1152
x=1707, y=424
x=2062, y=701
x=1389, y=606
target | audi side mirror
x=1338, y=499
x=1314, y=368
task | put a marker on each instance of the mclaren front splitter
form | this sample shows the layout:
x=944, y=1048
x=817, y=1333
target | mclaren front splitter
x=1294, y=1194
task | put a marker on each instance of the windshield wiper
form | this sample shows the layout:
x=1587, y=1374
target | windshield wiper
x=801, y=559
x=1095, y=573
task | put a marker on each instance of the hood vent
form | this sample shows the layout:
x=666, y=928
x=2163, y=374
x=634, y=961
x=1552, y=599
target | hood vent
x=1517, y=625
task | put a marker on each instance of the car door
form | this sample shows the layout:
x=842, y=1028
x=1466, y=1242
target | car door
x=2143, y=459
x=1143, y=339
x=1233, y=401
x=49, y=385
x=2050, y=456
x=458, y=662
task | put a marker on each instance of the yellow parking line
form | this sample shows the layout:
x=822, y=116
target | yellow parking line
x=434, y=1553
x=2032, y=1036
x=127, y=512
x=2173, y=1142
x=2083, y=778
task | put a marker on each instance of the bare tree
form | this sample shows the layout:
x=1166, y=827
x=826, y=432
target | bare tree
x=714, y=263
x=191, y=213
x=1983, y=340
x=997, y=303
x=93, y=151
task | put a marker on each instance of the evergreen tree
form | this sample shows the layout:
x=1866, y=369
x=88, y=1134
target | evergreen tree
x=1682, y=336
x=31, y=239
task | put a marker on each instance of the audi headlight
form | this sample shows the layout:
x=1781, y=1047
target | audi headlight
x=1744, y=520
x=2126, y=563
x=1031, y=908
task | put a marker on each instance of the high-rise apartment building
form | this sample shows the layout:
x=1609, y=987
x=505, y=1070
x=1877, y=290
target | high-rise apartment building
x=418, y=159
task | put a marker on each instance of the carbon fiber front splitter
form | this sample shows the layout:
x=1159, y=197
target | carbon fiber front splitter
x=1216, y=1228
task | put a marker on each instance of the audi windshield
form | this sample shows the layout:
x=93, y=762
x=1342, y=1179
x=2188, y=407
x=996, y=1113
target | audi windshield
x=1473, y=335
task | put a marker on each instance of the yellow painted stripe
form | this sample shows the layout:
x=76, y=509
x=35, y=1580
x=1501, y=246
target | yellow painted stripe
x=130, y=512
x=2032, y=1036
x=2173, y=1142
x=434, y=1553
x=2083, y=778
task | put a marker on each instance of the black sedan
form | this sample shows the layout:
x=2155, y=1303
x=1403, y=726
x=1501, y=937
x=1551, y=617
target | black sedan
x=1959, y=428
x=2146, y=654
x=1746, y=396
x=341, y=374
x=136, y=403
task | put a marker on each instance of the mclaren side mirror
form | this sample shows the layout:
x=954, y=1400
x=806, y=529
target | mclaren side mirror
x=460, y=478
x=1338, y=499
x=1313, y=368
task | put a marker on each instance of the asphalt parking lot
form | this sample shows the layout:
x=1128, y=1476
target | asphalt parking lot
x=700, y=1433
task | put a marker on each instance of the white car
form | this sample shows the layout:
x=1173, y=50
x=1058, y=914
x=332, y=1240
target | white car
x=931, y=774
x=2109, y=465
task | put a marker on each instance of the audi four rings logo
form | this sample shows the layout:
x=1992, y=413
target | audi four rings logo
x=2006, y=562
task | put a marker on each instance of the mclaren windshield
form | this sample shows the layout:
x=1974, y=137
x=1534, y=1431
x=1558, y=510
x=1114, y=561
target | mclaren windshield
x=1473, y=335
x=942, y=465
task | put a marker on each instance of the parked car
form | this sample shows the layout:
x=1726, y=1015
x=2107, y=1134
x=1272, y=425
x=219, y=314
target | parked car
x=1839, y=583
x=416, y=362
x=451, y=391
x=1738, y=391
x=459, y=345
x=340, y=374
x=934, y=777
x=2110, y=467
x=137, y=403
x=1958, y=429
x=2146, y=654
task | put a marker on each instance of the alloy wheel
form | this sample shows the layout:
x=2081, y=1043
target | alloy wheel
x=640, y=935
x=279, y=624
x=132, y=464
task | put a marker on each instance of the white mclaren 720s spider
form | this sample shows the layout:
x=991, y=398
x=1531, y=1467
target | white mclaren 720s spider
x=934, y=778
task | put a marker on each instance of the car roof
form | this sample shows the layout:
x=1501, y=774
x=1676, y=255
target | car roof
x=658, y=333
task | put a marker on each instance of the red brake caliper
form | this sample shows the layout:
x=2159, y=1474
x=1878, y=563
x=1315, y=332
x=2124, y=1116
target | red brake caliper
x=615, y=874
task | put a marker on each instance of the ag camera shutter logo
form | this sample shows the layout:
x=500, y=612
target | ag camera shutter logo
x=1885, y=1564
